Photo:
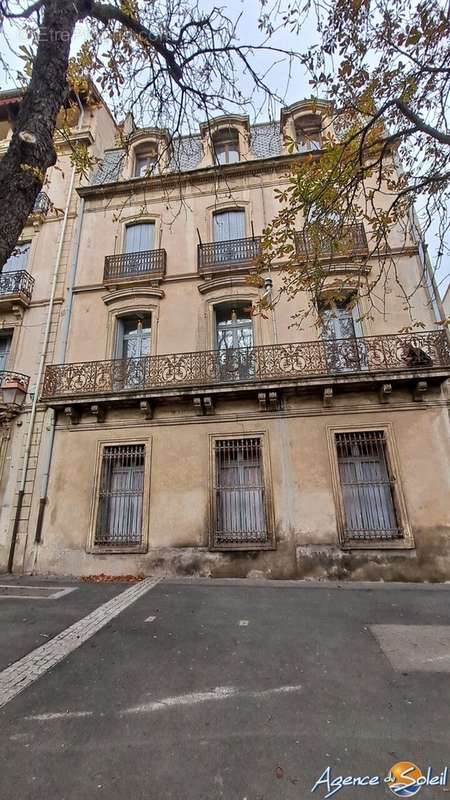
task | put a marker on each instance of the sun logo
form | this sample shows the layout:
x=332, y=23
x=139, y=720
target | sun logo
x=403, y=779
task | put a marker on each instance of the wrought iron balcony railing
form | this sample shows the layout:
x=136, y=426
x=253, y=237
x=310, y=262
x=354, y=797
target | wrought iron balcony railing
x=351, y=242
x=148, y=263
x=41, y=204
x=8, y=377
x=19, y=282
x=217, y=255
x=286, y=362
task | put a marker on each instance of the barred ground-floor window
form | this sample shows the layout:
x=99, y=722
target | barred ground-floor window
x=120, y=506
x=368, y=487
x=241, y=513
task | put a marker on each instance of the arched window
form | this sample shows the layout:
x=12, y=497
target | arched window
x=226, y=146
x=145, y=158
x=308, y=133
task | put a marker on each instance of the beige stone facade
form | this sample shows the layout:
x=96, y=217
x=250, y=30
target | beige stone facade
x=174, y=430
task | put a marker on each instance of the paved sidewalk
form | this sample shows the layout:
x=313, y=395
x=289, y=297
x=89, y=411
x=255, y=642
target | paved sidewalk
x=200, y=690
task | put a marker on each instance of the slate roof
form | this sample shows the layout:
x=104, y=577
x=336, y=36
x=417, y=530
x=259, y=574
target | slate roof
x=265, y=141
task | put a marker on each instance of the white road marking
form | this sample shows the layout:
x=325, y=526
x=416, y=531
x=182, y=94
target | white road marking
x=150, y=619
x=243, y=623
x=219, y=693
x=60, y=715
x=17, y=677
x=33, y=592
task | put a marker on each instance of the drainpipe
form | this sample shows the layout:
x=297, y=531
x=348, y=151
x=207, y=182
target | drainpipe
x=26, y=459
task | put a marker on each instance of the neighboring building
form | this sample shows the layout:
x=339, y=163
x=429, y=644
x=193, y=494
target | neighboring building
x=178, y=432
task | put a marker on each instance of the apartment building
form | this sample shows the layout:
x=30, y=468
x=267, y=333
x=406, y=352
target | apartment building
x=176, y=431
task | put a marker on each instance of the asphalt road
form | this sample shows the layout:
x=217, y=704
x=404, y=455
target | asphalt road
x=242, y=690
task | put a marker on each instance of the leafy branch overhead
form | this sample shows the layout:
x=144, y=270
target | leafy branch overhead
x=384, y=158
x=169, y=62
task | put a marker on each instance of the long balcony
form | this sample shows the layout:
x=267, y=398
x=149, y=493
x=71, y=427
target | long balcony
x=355, y=362
x=16, y=288
x=142, y=266
x=219, y=256
x=351, y=243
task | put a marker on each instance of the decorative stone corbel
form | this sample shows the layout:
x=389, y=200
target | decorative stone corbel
x=328, y=397
x=268, y=401
x=208, y=405
x=72, y=415
x=99, y=411
x=203, y=405
x=146, y=409
x=419, y=391
x=385, y=392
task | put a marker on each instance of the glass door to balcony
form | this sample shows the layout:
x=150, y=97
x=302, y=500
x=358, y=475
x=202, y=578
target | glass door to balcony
x=133, y=343
x=234, y=330
x=341, y=333
x=229, y=231
x=139, y=240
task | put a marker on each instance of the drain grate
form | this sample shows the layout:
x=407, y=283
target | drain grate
x=34, y=592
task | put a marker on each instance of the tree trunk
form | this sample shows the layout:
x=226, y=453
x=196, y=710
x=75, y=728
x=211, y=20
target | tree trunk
x=23, y=168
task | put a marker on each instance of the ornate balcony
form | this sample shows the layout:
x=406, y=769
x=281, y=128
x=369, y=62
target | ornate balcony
x=15, y=288
x=213, y=257
x=352, y=243
x=356, y=362
x=142, y=266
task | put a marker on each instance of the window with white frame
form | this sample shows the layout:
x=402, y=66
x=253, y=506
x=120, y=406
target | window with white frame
x=240, y=507
x=226, y=146
x=308, y=133
x=145, y=160
x=19, y=258
x=120, y=499
x=367, y=487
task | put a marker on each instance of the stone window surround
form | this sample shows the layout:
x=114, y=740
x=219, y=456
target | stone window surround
x=140, y=219
x=226, y=299
x=229, y=122
x=143, y=141
x=392, y=459
x=263, y=435
x=124, y=308
x=228, y=205
x=106, y=441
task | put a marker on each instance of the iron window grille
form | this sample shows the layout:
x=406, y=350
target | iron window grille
x=121, y=493
x=367, y=487
x=240, y=501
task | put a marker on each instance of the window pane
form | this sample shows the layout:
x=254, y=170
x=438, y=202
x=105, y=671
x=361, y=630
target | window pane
x=229, y=225
x=140, y=237
x=144, y=165
x=119, y=516
x=366, y=487
x=240, y=496
x=5, y=344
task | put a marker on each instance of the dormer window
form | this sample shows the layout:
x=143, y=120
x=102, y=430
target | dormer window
x=308, y=133
x=226, y=146
x=145, y=160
